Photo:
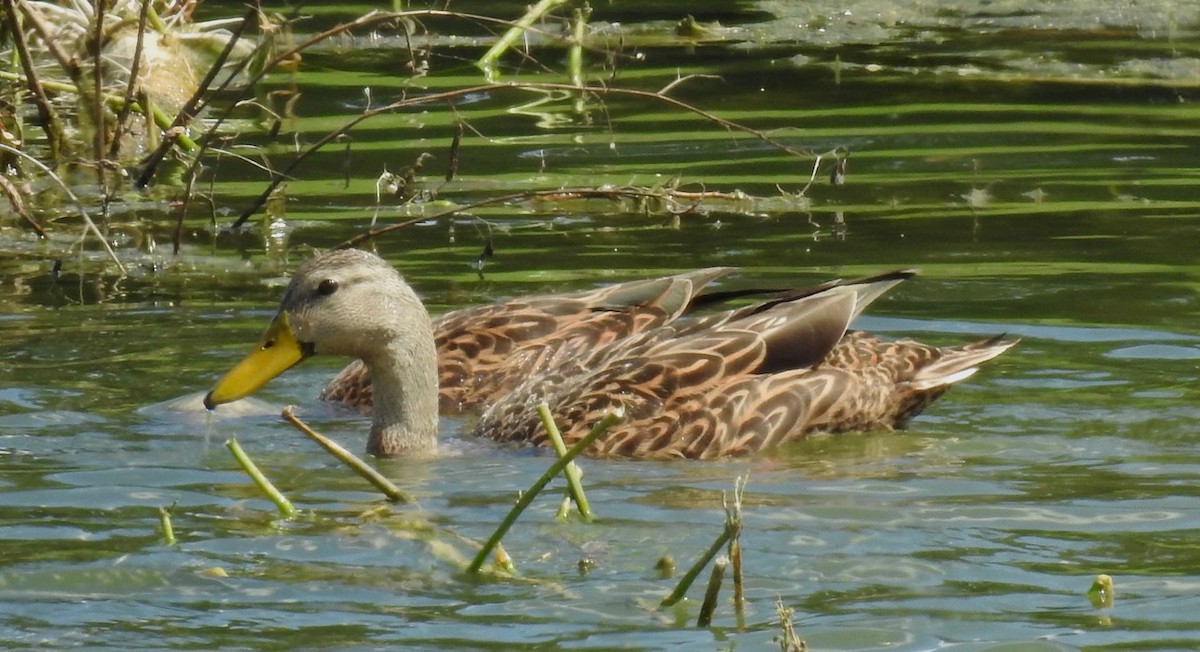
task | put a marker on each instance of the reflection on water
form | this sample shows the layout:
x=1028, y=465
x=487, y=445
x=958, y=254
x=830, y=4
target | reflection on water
x=1057, y=211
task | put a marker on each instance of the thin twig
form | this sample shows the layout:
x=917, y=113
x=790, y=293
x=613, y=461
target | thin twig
x=78, y=204
x=68, y=64
x=487, y=89
x=601, y=193
x=50, y=122
x=681, y=80
x=98, y=104
x=610, y=418
x=131, y=87
x=351, y=460
x=188, y=111
x=177, y=236
x=18, y=205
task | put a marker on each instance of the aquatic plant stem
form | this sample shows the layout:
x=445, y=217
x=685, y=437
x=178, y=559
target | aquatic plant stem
x=606, y=422
x=535, y=13
x=572, y=472
x=731, y=531
x=739, y=590
x=734, y=513
x=579, y=22
x=351, y=460
x=164, y=519
x=692, y=573
x=712, y=592
x=790, y=641
x=282, y=504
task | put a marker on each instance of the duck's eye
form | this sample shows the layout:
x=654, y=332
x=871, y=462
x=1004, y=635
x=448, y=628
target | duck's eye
x=327, y=287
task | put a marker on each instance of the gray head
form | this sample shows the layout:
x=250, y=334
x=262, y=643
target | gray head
x=350, y=302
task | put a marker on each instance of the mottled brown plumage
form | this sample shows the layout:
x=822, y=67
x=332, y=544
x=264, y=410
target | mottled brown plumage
x=725, y=391
x=704, y=387
x=485, y=351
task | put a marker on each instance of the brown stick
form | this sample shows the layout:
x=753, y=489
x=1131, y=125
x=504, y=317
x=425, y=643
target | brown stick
x=603, y=193
x=50, y=122
x=18, y=204
x=68, y=64
x=130, y=88
x=98, y=101
x=730, y=125
x=709, y=605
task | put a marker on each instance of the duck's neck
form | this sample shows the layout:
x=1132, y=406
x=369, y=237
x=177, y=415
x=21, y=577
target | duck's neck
x=405, y=410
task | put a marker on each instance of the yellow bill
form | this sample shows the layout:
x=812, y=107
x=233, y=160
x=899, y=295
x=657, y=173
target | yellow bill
x=277, y=351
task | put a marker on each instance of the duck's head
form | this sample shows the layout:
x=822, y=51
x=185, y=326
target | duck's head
x=344, y=302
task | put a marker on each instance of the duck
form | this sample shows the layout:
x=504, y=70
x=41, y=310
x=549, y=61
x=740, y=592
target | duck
x=692, y=383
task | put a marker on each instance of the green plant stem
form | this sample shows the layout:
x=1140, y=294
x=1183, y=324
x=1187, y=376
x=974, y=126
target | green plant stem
x=712, y=593
x=526, y=499
x=690, y=576
x=571, y=471
x=739, y=591
x=733, y=515
x=164, y=517
x=790, y=641
x=351, y=460
x=284, y=505
x=487, y=61
x=575, y=53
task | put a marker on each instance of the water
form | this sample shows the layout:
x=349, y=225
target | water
x=1046, y=193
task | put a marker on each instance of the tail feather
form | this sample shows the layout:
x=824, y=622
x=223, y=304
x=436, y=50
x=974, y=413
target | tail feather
x=870, y=288
x=959, y=364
